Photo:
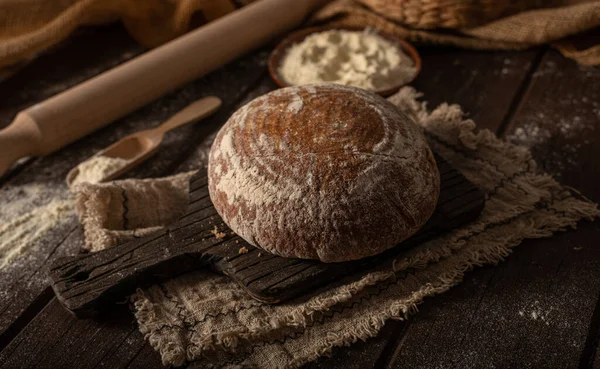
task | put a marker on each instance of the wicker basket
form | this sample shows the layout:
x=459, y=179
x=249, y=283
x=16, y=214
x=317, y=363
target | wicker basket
x=427, y=14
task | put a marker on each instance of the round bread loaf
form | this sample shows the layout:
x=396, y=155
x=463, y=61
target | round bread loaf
x=322, y=172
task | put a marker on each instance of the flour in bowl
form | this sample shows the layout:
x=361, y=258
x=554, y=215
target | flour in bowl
x=353, y=58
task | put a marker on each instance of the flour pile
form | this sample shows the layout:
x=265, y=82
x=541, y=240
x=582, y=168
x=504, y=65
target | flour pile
x=97, y=168
x=25, y=231
x=353, y=58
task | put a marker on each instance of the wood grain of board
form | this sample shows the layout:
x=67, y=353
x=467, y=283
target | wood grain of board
x=75, y=343
x=485, y=84
x=146, y=358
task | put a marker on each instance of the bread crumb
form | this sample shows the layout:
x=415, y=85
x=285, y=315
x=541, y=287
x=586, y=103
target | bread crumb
x=217, y=234
x=243, y=250
x=578, y=248
x=237, y=241
x=259, y=254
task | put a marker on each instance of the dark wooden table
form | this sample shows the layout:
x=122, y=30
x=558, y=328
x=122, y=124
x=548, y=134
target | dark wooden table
x=492, y=320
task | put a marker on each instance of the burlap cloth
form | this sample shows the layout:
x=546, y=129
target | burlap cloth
x=467, y=24
x=28, y=27
x=205, y=317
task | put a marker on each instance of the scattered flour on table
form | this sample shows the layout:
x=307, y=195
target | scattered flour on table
x=20, y=199
x=535, y=312
x=558, y=141
x=97, y=168
x=30, y=229
x=29, y=214
x=25, y=231
x=554, y=311
x=535, y=132
x=353, y=58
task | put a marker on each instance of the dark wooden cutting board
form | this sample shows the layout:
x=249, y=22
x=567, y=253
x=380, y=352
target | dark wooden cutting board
x=87, y=283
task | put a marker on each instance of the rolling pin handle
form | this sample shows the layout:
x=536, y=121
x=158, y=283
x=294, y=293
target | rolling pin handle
x=20, y=139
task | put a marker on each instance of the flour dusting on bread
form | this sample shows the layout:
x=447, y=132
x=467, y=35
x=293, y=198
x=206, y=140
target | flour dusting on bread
x=322, y=172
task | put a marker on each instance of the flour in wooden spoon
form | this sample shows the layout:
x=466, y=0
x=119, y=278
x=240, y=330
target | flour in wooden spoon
x=97, y=168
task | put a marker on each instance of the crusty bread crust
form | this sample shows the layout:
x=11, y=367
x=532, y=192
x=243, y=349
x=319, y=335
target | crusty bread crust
x=322, y=172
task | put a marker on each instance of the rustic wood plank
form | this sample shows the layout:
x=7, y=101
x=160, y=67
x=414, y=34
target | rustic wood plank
x=87, y=342
x=485, y=84
x=147, y=358
x=525, y=312
x=361, y=355
x=130, y=350
x=596, y=363
x=26, y=350
x=535, y=309
x=23, y=281
x=110, y=342
x=591, y=359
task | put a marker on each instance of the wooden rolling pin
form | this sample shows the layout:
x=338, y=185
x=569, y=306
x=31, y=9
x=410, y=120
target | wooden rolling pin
x=47, y=126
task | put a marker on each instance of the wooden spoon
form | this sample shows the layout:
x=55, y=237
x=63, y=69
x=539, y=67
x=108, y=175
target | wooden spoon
x=139, y=146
